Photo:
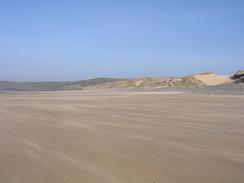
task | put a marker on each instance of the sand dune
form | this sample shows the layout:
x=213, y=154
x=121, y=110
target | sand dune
x=211, y=79
x=71, y=137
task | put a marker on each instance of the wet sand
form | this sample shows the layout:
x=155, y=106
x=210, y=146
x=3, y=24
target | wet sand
x=76, y=137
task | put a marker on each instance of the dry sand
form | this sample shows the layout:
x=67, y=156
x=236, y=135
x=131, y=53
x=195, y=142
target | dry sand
x=211, y=79
x=72, y=137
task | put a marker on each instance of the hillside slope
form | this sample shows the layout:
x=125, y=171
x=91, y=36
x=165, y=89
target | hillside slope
x=194, y=81
x=150, y=82
x=52, y=86
x=211, y=79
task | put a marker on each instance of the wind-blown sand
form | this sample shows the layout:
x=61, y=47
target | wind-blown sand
x=72, y=137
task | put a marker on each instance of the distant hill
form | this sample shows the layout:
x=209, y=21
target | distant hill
x=52, y=86
x=194, y=81
x=32, y=86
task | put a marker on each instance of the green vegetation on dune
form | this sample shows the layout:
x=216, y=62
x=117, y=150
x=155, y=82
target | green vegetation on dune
x=188, y=82
x=192, y=81
x=150, y=82
x=102, y=83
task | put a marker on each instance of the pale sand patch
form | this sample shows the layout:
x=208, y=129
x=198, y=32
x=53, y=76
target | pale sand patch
x=213, y=79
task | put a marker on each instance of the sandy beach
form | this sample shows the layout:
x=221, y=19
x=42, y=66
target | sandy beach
x=74, y=137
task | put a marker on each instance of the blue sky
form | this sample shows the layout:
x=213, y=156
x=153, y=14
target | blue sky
x=72, y=40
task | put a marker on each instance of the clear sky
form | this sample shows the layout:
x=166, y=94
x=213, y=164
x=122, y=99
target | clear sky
x=79, y=39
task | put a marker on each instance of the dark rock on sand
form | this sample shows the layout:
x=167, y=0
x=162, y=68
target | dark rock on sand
x=238, y=75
